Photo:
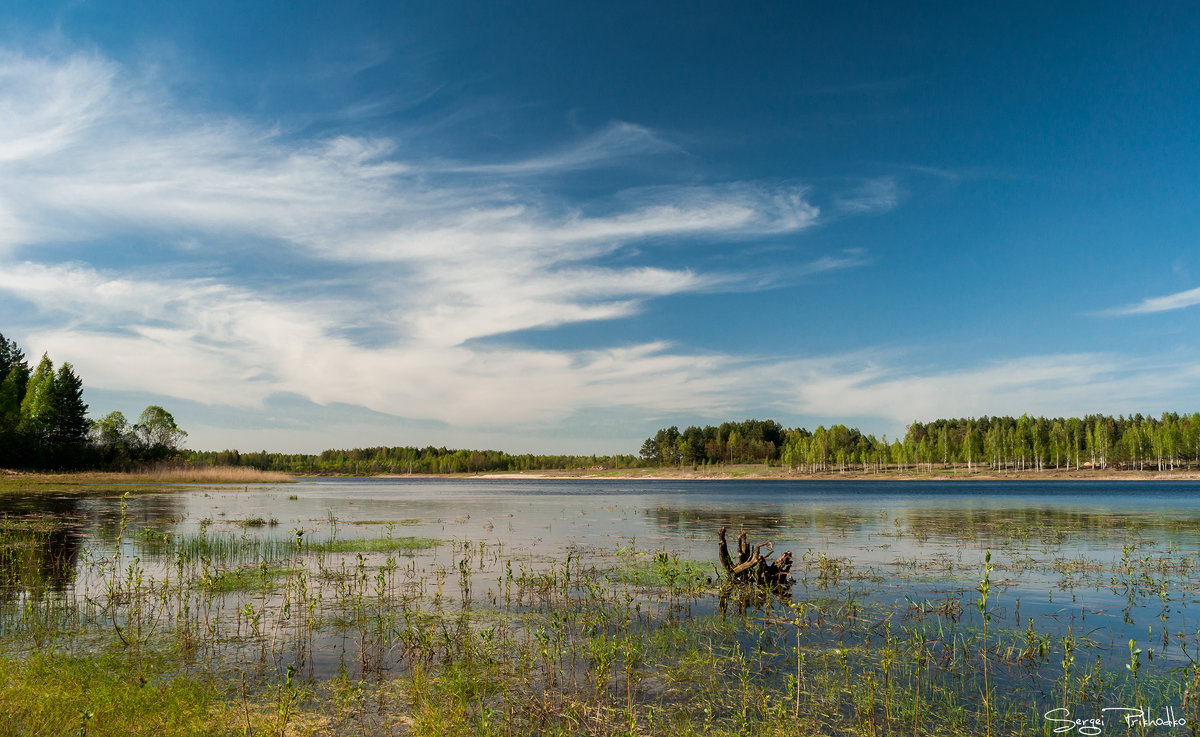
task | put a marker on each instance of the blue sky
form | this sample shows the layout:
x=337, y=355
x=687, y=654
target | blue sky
x=560, y=227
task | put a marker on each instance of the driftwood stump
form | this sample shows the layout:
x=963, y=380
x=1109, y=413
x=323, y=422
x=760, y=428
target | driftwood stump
x=752, y=565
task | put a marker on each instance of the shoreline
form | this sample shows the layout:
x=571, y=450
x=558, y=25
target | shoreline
x=758, y=473
x=251, y=477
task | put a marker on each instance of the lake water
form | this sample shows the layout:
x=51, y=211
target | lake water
x=1111, y=561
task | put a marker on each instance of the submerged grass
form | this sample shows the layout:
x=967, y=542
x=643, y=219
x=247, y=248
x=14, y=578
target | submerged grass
x=372, y=545
x=246, y=578
x=662, y=570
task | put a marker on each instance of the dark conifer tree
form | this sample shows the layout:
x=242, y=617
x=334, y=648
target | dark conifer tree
x=11, y=357
x=66, y=422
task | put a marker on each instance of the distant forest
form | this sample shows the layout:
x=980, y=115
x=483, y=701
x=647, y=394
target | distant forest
x=1023, y=443
x=402, y=460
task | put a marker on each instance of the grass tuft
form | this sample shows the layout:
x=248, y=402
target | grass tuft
x=373, y=545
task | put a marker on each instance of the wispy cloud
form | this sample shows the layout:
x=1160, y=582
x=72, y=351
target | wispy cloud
x=215, y=344
x=435, y=256
x=847, y=259
x=1165, y=303
x=614, y=144
x=874, y=195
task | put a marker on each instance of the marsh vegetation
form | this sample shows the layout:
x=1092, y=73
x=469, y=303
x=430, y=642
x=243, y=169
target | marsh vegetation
x=454, y=608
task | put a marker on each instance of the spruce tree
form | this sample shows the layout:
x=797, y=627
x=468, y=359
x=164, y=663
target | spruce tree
x=67, y=423
x=12, y=391
x=11, y=357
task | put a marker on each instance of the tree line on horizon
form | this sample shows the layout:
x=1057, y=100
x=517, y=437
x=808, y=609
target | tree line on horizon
x=406, y=460
x=1168, y=442
x=44, y=423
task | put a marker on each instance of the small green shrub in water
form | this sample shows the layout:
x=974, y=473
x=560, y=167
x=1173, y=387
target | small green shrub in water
x=662, y=570
x=259, y=522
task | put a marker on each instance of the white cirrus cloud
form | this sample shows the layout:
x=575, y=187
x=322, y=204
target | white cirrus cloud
x=874, y=195
x=617, y=142
x=1165, y=303
x=218, y=345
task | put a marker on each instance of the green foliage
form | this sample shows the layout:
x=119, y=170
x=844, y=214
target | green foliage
x=11, y=357
x=261, y=577
x=36, y=406
x=113, y=439
x=67, y=424
x=44, y=423
x=111, y=695
x=748, y=441
x=403, y=460
x=662, y=570
x=14, y=376
x=158, y=437
x=1024, y=443
x=374, y=545
x=52, y=422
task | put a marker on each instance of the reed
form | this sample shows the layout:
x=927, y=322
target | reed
x=164, y=474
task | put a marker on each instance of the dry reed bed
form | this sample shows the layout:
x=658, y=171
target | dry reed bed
x=153, y=475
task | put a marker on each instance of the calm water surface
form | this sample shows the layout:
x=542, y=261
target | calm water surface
x=1068, y=554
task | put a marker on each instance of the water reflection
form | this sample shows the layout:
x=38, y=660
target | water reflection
x=40, y=542
x=683, y=519
x=43, y=535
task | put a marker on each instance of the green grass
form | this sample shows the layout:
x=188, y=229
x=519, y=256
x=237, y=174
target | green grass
x=223, y=546
x=661, y=570
x=112, y=695
x=373, y=545
x=246, y=578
